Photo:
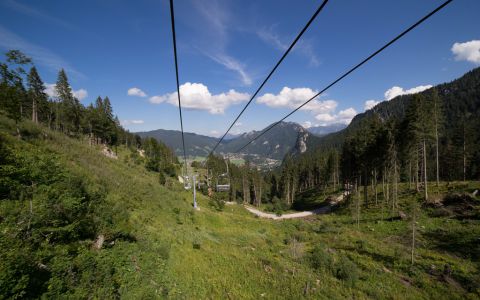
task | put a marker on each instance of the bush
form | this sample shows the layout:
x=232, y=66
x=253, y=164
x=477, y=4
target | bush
x=162, y=179
x=347, y=270
x=320, y=259
x=217, y=201
x=29, y=130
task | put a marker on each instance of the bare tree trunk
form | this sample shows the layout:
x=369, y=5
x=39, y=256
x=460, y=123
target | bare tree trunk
x=34, y=111
x=292, y=197
x=417, y=188
x=436, y=144
x=383, y=186
x=244, y=187
x=365, y=190
x=410, y=174
x=255, y=196
x=425, y=169
x=358, y=203
x=464, y=155
x=375, y=185
x=413, y=231
x=287, y=194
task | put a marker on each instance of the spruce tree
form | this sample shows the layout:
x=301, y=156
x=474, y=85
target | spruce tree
x=36, y=92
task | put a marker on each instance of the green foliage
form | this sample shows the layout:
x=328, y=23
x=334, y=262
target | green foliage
x=217, y=201
x=321, y=260
x=346, y=270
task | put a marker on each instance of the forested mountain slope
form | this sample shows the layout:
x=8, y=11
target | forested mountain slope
x=460, y=100
x=196, y=144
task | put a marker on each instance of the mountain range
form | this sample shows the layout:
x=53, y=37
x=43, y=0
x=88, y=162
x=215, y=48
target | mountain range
x=459, y=97
x=274, y=144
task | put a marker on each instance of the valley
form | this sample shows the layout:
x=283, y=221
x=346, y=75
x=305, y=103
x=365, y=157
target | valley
x=346, y=170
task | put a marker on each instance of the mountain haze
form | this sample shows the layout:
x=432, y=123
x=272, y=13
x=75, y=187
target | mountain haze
x=274, y=144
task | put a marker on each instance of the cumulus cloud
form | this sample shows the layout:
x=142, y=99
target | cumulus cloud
x=215, y=133
x=469, y=51
x=324, y=110
x=132, y=122
x=393, y=92
x=397, y=91
x=79, y=94
x=325, y=118
x=136, y=92
x=197, y=96
x=369, y=104
x=343, y=116
x=307, y=124
x=294, y=97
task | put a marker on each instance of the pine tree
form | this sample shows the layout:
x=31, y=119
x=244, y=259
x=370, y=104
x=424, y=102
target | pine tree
x=36, y=92
x=69, y=107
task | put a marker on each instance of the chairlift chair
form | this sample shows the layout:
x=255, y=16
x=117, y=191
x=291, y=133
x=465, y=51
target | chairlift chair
x=186, y=183
x=223, y=183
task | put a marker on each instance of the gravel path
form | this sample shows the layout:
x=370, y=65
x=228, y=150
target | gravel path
x=302, y=214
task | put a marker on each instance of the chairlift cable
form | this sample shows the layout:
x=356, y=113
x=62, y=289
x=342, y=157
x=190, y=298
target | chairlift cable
x=348, y=72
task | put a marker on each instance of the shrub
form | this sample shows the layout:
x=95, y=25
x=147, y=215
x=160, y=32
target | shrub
x=196, y=245
x=320, y=259
x=162, y=179
x=29, y=130
x=217, y=201
x=347, y=270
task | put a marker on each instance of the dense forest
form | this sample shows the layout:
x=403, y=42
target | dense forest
x=428, y=137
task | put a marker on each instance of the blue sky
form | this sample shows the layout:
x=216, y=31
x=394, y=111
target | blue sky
x=123, y=49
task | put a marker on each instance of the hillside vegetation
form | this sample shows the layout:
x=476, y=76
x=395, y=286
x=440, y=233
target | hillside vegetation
x=157, y=246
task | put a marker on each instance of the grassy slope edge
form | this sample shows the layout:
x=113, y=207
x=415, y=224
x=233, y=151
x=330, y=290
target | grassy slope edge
x=157, y=246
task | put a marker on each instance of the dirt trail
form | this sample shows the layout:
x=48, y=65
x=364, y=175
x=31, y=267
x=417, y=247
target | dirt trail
x=302, y=214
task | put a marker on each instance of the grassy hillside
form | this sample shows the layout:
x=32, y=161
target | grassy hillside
x=157, y=246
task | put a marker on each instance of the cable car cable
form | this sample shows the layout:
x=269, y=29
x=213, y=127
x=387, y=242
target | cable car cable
x=271, y=72
x=349, y=72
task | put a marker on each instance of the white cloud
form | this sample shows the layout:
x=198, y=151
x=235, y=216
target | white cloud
x=325, y=118
x=214, y=133
x=197, y=96
x=398, y=91
x=307, y=124
x=347, y=114
x=292, y=98
x=132, y=122
x=238, y=124
x=136, y=92
x=469, y=51
x=393, y=92
x=324, y=110
x=50, y=89
x=369, y=104
x=343, y=116
x=79, y=94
